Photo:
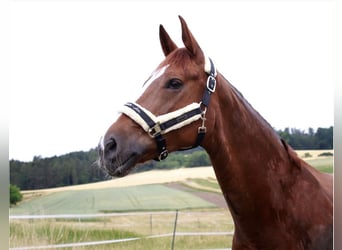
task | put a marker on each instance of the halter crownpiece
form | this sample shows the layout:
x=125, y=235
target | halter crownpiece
x=156, y=126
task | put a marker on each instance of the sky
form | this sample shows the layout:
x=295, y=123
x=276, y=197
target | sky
x=73, y=64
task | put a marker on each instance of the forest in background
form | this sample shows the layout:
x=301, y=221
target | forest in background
x=80, y=167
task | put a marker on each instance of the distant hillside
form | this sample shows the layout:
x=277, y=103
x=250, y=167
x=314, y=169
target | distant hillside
x=69, y=169
x=79, y=168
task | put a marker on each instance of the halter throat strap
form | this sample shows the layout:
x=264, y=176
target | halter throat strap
x=156, y=126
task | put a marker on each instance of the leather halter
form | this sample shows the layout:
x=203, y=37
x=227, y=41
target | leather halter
x=156, y=126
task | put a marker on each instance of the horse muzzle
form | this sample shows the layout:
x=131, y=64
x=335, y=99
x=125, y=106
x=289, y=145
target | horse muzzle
x=112, y=161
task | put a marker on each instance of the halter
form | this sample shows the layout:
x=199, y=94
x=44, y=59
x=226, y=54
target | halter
x=156, y=126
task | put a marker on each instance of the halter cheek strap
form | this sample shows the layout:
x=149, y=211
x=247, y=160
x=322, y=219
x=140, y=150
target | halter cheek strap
x=156, y=126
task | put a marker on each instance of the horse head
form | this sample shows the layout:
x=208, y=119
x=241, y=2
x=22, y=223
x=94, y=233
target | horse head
x=171, y=114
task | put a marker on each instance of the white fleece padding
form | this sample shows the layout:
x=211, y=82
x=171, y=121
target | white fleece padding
x=178, y=112
x=162, y=118
x=207, y=66
x=136, y=117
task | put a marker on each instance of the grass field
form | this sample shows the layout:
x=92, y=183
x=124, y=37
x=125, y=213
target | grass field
x=132, y=194
x=322, y=164
x=134, y=198
x=197, y=215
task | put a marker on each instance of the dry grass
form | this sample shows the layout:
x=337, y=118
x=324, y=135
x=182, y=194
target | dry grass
x=52, y=231
x=144, y=178
x=314, y=154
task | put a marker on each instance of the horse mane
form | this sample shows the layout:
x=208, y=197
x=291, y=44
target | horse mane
x=292, y=155
x=305, y=168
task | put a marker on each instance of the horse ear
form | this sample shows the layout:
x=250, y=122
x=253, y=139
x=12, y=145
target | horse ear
x=166, y=42
x=190, y=41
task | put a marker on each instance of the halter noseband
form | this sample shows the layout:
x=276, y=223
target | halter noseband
x=156, y=126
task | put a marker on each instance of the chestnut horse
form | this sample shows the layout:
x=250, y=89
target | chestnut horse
x=277, y=200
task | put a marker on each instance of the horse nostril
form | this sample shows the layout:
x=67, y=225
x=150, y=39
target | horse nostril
x=110, y=145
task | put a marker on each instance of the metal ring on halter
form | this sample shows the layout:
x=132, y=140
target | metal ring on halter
x=203, y=108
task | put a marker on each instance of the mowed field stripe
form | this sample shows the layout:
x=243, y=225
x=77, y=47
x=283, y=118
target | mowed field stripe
x=135, y=198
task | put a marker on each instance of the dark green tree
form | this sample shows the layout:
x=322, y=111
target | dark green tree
x=15, y=195
x=324, y=137
x=198, y=159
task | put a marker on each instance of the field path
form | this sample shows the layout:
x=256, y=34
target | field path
x=215, y=198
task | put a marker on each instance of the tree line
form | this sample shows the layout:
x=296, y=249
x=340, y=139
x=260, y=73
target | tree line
x=80, y=167
x=69, y=169
x=311, y=139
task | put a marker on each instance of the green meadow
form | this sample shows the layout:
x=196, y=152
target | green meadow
x=126, y=199
x=325, y=165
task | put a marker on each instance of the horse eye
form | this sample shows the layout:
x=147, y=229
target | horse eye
x=174, y=84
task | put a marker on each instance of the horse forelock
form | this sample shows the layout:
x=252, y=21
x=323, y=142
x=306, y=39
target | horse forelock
x=183, y=59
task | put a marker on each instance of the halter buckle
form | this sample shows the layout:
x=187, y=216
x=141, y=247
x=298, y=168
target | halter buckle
x=211, y=83
x=155, y=130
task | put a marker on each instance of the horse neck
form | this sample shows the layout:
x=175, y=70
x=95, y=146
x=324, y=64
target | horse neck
x=241, y=137
x=244, y=149
x=264, y=181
